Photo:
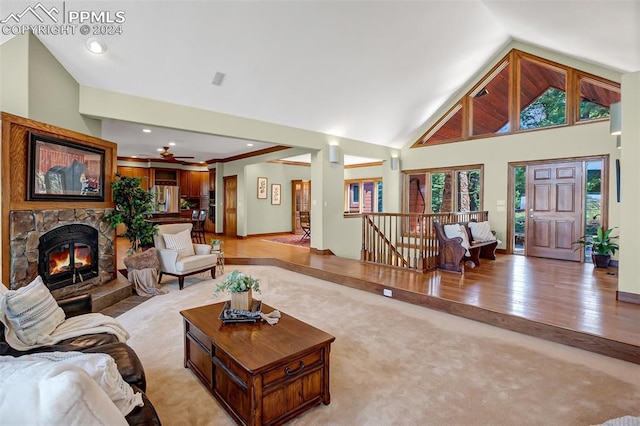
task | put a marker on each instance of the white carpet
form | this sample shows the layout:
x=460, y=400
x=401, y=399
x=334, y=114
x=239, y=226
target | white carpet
x=393, y=363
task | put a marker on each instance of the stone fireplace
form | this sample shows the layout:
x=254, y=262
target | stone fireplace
x=68, y=254
x=71, y=249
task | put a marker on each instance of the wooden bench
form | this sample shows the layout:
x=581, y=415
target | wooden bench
x=451, y=254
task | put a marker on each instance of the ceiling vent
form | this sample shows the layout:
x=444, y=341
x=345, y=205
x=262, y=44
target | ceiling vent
x=218, y=78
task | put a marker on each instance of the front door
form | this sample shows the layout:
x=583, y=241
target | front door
x=554, y=210
x=230, y=206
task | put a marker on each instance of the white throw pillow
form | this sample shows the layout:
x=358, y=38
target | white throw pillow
x=457, y=230
x=103, y=369
x=181, y=242
x=47, y=393
x=32, y=311
x=481, y=231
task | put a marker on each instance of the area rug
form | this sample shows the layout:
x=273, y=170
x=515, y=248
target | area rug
x=392, y=363
x=290, y=241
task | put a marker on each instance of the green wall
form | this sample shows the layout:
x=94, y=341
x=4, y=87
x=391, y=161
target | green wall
x=36, y=86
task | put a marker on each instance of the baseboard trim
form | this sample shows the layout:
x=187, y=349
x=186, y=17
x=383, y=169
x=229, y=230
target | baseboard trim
x=622, y=296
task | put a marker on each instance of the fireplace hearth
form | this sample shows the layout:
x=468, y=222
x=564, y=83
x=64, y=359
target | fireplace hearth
x=67, y=255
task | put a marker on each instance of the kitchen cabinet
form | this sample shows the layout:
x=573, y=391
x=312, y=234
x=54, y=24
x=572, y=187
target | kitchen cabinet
x=139, y=172
x=164, y=177
x=185, y=180
x=194, y=184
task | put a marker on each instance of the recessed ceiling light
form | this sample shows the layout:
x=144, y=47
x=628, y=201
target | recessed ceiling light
x=172, y=143
x=134, y=156
x=249, y=144
x=146, y=130
x=96, y=46
x=159, y=149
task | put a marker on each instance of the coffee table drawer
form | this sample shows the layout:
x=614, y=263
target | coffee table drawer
x=292, y=369
x=199, y=360
x=284, y=401
x=198, y=335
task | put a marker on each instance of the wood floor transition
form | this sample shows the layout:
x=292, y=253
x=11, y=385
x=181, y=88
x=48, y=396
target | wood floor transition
x=565, y=302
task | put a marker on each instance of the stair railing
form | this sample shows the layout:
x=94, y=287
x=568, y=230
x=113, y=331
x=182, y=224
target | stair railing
x=407, y=240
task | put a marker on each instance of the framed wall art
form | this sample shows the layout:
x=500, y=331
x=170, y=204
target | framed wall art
x=262, y=188
x=276, y=193
x=63, y=170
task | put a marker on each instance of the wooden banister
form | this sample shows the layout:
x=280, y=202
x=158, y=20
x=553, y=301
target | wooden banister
x=407, y=240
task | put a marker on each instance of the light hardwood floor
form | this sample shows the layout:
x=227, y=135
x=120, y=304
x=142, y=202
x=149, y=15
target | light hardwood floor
x=565, y=302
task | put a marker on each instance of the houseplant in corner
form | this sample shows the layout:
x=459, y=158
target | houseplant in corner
x=601, y=244
x=133, y=206
x=241, y=287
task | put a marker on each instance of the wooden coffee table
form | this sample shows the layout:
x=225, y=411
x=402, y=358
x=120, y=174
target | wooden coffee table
x=261, y=374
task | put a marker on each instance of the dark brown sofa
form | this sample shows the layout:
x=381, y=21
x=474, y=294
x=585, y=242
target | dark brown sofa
x=126, y=359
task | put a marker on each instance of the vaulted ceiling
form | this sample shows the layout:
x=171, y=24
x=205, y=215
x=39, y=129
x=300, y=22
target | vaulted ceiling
x=373, y=71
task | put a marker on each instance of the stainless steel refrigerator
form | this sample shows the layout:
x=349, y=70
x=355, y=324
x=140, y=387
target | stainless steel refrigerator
x=166, y=198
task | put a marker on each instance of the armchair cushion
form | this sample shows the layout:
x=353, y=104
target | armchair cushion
x=181, y=242
x=202, y=248
x=196, y=262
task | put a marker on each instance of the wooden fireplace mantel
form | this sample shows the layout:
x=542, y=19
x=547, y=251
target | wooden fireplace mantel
x=14, y=157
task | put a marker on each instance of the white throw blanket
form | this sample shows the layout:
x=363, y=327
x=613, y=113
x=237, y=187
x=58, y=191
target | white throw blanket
x=71, y=327
x=41, y=392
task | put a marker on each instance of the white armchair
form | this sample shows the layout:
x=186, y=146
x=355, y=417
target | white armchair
x=179, y=256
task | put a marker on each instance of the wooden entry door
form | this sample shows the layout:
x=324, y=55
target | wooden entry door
x=301, y=193
x=230, y=206
x=555, y=210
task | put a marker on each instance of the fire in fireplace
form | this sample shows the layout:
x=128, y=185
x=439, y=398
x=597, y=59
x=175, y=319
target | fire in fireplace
x=60, y=259
x=68, y=255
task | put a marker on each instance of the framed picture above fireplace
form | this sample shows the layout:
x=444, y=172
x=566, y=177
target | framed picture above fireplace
x=64, y=170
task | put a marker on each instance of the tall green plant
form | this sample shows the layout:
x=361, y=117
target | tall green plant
x=133, y=205
x=601, y=243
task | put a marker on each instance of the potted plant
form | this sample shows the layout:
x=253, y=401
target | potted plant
x=185, y=204
x=240, y=286
x=133, y=206
x=601, y=245
x=215, y=244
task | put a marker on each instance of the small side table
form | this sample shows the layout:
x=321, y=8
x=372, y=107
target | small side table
x=219, y=262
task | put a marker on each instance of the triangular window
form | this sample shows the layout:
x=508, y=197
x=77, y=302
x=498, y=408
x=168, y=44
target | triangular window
x=449, y=127
x=490, y=102
x=543, y=95
x=524, y=92
x=595, y=98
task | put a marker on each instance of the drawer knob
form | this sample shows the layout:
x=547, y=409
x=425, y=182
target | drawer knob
x=288, y=371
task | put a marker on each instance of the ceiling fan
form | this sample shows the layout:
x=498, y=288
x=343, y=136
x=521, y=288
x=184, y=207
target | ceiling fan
x=169, y=156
